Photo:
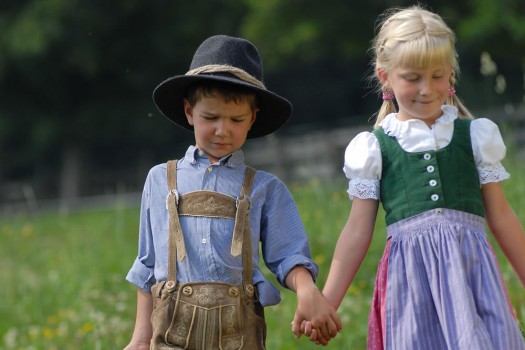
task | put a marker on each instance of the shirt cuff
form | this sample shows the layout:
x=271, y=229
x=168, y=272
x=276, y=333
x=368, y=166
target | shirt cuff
x=140, y=275
x=296, y=260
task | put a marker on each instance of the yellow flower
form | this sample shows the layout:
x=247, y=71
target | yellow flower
x=87, y=327
x=319, y=259
x=27, y=230
x=52, y=319
x=48, y=332
x=7, y=230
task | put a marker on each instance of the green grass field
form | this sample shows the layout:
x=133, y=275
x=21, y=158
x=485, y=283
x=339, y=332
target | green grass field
x=63, y=281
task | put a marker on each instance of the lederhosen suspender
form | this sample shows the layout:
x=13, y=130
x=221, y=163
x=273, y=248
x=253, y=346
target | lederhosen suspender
x=210, y=204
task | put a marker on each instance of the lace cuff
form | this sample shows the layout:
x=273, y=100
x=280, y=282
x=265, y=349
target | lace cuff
x=363, y=189
x=492, y=173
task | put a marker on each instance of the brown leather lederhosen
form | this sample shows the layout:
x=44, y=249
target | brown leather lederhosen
x=207, y=315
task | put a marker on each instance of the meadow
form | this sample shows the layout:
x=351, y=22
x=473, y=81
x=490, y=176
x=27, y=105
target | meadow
x=62, y=276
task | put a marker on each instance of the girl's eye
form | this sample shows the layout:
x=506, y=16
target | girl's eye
x=411, y=78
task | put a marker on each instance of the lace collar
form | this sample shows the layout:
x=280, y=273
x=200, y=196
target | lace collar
x=394, y=127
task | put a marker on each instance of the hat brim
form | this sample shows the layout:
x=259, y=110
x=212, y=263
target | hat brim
x=274, y=110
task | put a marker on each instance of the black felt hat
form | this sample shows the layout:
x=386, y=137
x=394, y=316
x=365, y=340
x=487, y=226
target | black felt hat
x=230, y=60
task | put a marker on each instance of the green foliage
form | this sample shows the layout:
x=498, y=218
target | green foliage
x=76, y=77
x=492, y=16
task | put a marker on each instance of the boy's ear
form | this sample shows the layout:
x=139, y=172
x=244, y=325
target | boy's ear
x=254, y=116
x=188, y=111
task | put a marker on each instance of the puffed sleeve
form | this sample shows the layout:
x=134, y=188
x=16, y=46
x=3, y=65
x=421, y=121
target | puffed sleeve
x=489, y=150
x=363, y=166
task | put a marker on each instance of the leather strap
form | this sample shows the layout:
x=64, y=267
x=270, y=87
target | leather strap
x=175, y=240
x=211, y=204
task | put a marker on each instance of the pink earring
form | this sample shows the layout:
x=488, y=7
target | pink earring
x=451, y=91
x=388, y=95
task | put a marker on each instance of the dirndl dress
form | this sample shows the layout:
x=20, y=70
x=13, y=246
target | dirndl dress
x=438, y=286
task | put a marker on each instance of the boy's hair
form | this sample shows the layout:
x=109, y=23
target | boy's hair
x=414, y=38
x=229, y=93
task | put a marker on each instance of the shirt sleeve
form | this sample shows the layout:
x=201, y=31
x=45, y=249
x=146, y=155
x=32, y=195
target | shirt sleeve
x=489, y=150
x=362, y=166
x=141, y=273
x=284, y=241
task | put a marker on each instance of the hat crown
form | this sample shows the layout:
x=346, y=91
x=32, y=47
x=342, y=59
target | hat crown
x=229, y=51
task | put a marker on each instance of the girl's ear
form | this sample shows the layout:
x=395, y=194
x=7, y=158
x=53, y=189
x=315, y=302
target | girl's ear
x=188, y=110
x=382, y=75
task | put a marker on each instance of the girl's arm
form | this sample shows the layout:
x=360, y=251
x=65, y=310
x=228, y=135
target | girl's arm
x=505, y=227
x=143, y=331
x=351, y=249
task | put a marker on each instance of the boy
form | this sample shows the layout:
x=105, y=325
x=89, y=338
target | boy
x=203, y=216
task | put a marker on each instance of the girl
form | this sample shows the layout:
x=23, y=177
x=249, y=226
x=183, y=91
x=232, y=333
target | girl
x=437, y=172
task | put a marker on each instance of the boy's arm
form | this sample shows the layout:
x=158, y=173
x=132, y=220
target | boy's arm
x=312, y=306
x=143, y=331
x=505, y=227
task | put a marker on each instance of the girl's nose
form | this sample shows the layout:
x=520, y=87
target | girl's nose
x=425, y=88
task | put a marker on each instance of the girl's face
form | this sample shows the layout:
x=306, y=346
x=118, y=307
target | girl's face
x=419, y=93
x=220, y=127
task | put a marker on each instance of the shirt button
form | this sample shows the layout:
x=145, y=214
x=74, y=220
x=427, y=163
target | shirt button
x=427, y=156
x=203, y=241
x=432, y=183
x=430, y=168
x=209, y=169
x=434, y=197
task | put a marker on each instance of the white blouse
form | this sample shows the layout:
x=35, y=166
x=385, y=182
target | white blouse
x=363, y=162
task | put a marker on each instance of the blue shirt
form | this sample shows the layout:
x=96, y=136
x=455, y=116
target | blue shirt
x=274, y=219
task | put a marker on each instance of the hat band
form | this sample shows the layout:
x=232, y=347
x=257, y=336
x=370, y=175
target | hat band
x=219, y=68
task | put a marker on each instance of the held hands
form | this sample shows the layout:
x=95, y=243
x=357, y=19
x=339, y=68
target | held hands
x=315, y=317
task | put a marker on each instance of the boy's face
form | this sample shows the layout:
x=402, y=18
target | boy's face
x=220, y=127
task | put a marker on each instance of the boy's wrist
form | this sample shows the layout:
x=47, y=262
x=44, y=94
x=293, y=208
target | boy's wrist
x=298, y=278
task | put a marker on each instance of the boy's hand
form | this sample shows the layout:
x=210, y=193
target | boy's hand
x=322, y=322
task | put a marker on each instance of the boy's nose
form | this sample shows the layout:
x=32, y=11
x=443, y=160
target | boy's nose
x=222, y=128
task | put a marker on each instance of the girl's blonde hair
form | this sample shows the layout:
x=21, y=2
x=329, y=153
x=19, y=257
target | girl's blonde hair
x=414, y=38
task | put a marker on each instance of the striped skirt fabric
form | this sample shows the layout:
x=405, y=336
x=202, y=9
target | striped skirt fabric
x=439, y=286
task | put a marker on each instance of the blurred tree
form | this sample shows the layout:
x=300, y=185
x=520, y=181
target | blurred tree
x=76, y=81
x=76, y=76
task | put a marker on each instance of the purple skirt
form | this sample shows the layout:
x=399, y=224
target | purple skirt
x=438, y=286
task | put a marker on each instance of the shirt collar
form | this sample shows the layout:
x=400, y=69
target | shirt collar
x=194, y=155
x=395, y=127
